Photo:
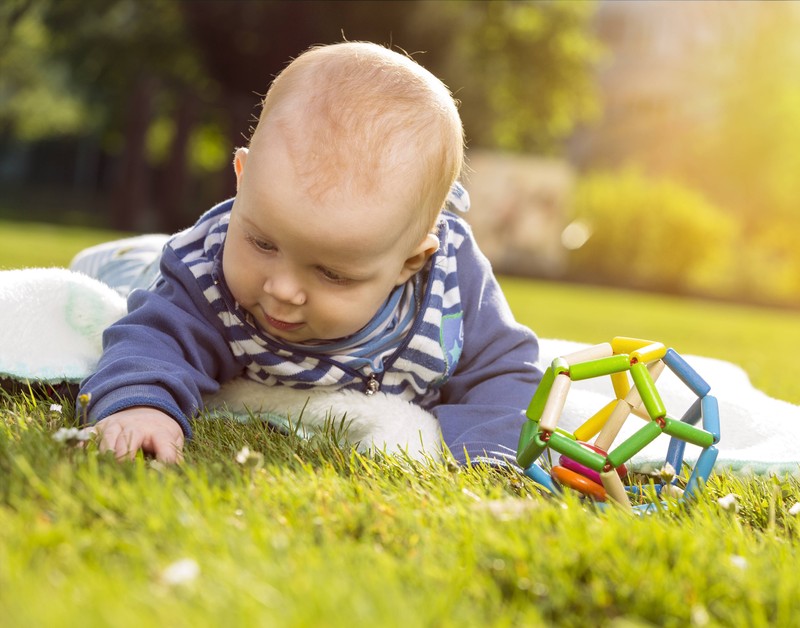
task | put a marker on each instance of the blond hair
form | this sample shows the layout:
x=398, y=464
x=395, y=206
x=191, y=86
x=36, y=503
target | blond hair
x=355, y=111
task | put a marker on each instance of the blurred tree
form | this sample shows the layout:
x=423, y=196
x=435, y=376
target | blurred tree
x=97, y=68
x=245, y=44
x=747, y=156
x=126, y=55
x=37, y=98
x=652, y=234
x=171, y=87
x=708, y=94
x=524, y=71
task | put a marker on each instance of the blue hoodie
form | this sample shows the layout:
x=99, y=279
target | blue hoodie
x=464, y=359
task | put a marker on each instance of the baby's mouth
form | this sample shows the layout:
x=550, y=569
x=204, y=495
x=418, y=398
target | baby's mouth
x=282, y=325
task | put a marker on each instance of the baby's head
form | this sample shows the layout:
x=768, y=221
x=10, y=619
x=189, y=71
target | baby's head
x=355, y=151
x=361, y=115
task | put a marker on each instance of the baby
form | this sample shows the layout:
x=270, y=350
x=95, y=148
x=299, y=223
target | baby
x=334, y=266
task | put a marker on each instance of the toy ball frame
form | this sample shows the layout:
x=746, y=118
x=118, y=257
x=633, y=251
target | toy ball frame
x=645, y=360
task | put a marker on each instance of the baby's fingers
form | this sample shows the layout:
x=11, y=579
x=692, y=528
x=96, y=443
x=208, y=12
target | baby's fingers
x=167, y=449
x=107, y=436
x=127, y=444
x=117, y=439
x=147, y=429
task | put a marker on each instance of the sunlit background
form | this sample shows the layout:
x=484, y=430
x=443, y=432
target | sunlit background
x=649, y=145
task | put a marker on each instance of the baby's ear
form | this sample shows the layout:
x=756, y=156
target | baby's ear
x=420, y=255
x=239, y=157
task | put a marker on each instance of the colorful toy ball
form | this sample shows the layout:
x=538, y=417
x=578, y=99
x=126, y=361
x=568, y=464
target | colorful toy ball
x=596, y=469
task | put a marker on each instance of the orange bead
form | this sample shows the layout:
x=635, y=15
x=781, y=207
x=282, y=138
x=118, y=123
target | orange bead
x=579, y=483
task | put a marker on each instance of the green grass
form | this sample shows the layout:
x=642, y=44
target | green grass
x=323, y=536
x=43, y=245
x=320, y=535
x=760, y=340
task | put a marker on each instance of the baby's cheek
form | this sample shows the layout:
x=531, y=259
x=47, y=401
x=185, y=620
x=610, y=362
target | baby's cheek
x=346, y=321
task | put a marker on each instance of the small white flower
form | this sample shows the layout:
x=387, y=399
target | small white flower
x=72, y=436
x=55, y=407
x=243, y=455
x=470, y=494
x=739, y=561
x=667, y=473
x=181, y=571
x=729, y=502
x=251, y=459
x=700, y=615
x=795, y=510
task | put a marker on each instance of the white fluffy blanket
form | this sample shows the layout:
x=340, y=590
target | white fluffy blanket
x=51, y=323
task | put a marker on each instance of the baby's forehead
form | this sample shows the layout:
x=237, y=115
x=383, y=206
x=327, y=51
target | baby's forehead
x=339, y=175
x=363, y=157
x=376, y=122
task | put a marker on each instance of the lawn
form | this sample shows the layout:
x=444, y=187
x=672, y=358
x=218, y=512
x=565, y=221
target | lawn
x=308, y=533
x=40, y=244
x=759, y=340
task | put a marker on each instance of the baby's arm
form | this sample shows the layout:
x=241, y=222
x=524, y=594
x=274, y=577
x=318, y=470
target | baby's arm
x=149, y=429
x=482, y=406
x=157, y=363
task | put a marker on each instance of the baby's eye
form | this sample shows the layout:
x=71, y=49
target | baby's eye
x=262, y=245
x=332, y=276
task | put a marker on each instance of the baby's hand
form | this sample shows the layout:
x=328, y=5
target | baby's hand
x=148, y=429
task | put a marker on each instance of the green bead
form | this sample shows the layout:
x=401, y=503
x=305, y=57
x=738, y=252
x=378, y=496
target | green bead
x=527, y=455
x=526, y=434
x=647, y=391
x=536, y=406
x=689, y=433
x=573, y=449
x=634, y=444
x=600, y=367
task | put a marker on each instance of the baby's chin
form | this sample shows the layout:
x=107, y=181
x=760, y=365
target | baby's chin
x=305, y=333
x=304, y=336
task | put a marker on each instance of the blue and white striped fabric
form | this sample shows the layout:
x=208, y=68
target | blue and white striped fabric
x=124, y=265
x=383, y=334
x=410, y=348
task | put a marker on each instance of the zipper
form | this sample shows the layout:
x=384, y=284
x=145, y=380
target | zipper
x=372, y=385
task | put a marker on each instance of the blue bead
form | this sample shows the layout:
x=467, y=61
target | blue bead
x=702, y=469
x=540, y=476
x=686, y=373
x=675, y=453
x=710, y=413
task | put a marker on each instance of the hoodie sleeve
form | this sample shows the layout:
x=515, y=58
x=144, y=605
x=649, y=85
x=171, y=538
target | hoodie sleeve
x=166, y=353
x=482, y=407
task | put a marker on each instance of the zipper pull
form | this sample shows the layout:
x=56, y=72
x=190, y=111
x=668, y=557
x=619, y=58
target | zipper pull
x=373, y=385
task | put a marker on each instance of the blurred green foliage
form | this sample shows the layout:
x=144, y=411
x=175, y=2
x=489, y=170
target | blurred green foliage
x=37, y=98
x=525, y=66
x=68, y=67
x=655, y=233
x=724, y=120
x=768, y=266
x=748, y=158
x=529, y=73
x=167, y=89
x=652, y=233
x=164, y=90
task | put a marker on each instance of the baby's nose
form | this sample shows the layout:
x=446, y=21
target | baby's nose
x=285, y=288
